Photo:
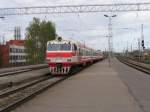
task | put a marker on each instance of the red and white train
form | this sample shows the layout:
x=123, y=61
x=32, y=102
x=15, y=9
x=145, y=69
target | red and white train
x=63, y=56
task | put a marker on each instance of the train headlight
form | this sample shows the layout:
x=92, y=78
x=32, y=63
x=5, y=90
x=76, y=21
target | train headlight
x=48, y=60
x=69, y=60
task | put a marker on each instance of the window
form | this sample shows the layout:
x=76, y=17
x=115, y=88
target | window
x=59, y=47
x=74, y=47
x=15, y=50
x=10, y=49
x=10, y=57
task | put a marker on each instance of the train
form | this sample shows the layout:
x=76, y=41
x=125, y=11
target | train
x=63, y=56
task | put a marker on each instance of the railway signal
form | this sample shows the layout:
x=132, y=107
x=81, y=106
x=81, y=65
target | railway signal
x=142, y=37
x=143, y=44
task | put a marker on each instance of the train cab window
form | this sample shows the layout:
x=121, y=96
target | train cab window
x=65, y=47
x=74, y=47
x=80, y=52
x=59, y=47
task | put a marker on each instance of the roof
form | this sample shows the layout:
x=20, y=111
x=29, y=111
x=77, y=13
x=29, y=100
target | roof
x=63, y=41
x=16, y=42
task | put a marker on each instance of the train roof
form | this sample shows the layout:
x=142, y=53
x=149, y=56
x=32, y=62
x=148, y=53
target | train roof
x=67, y=41
x=57, y=40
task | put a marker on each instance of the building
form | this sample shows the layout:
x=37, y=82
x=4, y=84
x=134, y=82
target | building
x=17, y=33
x=4, y=56
x=13, y=53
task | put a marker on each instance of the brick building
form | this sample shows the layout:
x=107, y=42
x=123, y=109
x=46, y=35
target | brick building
x=4, y=55
x=13, y=53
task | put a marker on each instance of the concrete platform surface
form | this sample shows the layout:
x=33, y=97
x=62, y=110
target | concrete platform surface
x=95, y=89
x=137, y=82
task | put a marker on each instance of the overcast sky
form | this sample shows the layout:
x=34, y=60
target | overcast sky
x=89, y=27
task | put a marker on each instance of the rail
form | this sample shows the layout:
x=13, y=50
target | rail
x=13, y=98
x=11, y=71
x=137, y=65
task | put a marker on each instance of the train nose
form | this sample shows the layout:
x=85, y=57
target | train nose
x=59, y=70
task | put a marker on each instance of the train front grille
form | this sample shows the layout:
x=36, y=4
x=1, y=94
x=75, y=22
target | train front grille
x=59, y=67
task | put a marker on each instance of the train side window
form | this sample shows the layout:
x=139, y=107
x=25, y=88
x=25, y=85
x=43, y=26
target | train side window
x=75, y=47
x=80, y=52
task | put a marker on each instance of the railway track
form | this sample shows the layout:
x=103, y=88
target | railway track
x=137, y=65
x=15, y=97
x=16, y=78
x=14, y=88
x=21, y=70
x=12, y=98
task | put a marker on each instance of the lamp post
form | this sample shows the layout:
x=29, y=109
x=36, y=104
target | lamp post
x=2, y=17
x=110, y=43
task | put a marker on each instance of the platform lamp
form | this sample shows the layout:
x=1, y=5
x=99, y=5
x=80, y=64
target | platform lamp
x=2, y=17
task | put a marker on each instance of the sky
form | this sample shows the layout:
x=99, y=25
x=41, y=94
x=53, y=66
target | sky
x=89, y=28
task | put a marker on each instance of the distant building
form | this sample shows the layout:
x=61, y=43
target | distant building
x=13, y=53
x=17, y=33
x=4, y=55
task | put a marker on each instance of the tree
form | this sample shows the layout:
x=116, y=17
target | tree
x=37, y=35
x=47, y=32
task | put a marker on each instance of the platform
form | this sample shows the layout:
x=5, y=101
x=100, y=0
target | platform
x=97, y=88
x=137, y=82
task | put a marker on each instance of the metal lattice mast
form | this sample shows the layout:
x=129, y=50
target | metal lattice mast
x=110, y=37
x=75, y=9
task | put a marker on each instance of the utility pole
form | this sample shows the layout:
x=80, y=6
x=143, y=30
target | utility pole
x=110, y=40
x=131, y=48
x=3, y=39
x=139, y=47
x=2, y=17
x=127, y=49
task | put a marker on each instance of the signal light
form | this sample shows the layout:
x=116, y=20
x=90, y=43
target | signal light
x=142, y=43
x=48, y=60
x=69, y=60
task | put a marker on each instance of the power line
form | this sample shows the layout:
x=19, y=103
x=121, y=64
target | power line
x=75, y=9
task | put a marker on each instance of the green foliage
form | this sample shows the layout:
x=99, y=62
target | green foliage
x=37, y=34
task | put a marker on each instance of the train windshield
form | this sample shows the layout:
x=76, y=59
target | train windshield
x=59, y=47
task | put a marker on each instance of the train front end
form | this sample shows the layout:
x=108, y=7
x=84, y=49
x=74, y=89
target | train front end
x=60, y=56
